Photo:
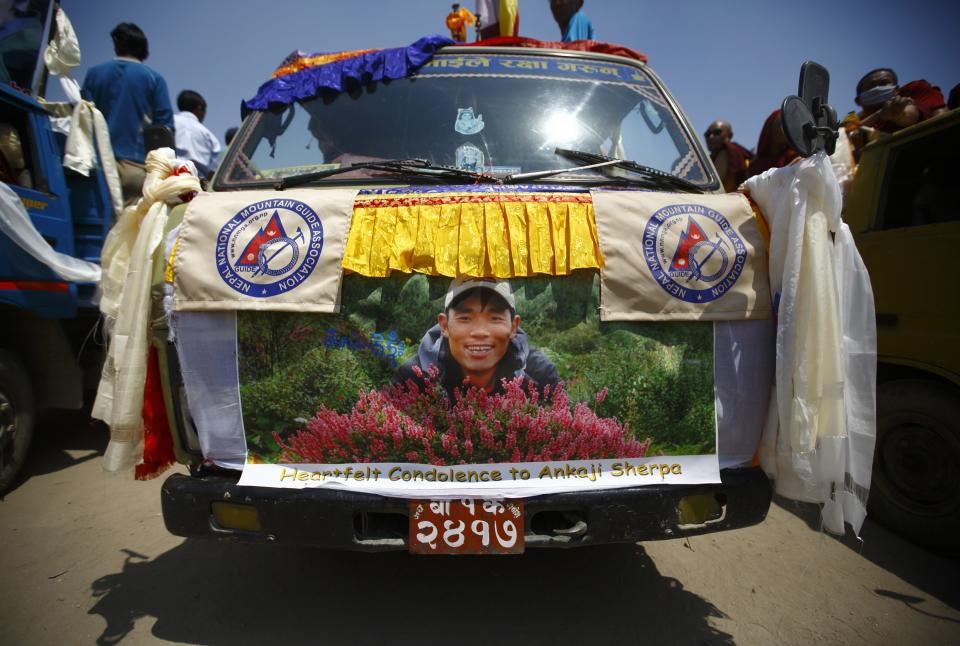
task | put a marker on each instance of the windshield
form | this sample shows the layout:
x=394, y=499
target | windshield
x=498, y=114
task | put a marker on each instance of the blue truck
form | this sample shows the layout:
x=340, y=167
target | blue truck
x=48, y=354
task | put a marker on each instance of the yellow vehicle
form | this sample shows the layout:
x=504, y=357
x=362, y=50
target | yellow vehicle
x=904, y=211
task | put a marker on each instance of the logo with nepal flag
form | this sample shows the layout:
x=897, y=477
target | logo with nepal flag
x=269, y=247
x=692, y=252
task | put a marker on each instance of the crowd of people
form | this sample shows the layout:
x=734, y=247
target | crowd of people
x=495, y=18
x=135, y=102
x=885, y=107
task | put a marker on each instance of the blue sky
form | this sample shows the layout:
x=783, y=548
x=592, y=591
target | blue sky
x=735, y=61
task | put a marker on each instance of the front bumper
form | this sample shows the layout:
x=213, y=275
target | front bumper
x=367, y=522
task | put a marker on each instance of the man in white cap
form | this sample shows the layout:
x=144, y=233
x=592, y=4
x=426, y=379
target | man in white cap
x=477, y=342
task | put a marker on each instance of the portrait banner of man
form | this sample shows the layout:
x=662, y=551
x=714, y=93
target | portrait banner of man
x=426, y=385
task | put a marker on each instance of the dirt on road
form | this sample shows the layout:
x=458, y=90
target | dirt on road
x=86, y=559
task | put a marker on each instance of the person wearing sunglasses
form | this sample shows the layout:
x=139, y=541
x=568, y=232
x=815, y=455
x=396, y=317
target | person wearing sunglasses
x=730, y=158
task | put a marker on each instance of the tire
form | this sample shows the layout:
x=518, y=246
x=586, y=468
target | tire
x=916, y=465
x=16, y=418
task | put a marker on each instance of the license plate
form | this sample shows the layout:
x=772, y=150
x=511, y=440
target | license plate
x=466, y=526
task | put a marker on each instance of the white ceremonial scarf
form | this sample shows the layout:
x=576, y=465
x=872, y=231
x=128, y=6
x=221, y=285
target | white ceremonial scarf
x=821, y=429
x=15, y=223
x=207, y=351
x=127, y=259
x=86, y=123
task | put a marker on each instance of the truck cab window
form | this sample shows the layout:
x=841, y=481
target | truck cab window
x=15, y=160
x=922, y=185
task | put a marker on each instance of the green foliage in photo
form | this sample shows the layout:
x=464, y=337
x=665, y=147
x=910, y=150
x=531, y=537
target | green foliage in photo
x=658, y=376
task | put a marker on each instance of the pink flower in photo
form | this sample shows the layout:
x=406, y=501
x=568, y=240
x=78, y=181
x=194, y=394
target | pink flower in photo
x=412, y=422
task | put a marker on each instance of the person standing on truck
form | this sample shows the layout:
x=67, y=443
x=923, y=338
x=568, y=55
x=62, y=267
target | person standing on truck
x=730, y=158
x=574, y=25
x=498, y=18
x=131, y=96
x=458, y=20
x=478, y=342
x=194, y=140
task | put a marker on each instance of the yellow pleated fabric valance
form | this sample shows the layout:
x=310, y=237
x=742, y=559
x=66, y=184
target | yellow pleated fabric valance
x=500, y=235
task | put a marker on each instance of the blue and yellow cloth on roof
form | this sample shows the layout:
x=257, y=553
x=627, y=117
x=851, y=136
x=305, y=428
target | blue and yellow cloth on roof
x=303, y=76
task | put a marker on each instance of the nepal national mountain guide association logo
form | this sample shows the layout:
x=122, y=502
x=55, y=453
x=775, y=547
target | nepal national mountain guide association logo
x=692, y=252
x=269, y=247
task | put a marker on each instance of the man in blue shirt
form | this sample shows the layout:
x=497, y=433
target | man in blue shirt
x=131, y=96
x=574, y=25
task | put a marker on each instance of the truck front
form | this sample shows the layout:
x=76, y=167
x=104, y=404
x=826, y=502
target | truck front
x=493, y=322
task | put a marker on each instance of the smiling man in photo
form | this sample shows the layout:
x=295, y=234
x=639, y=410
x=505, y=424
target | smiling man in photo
x=478, y=343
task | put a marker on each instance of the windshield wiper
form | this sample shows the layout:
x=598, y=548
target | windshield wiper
x=522, y=177
x=652, y=175
x=406, y=167
x=387, y=164
x=443, y=172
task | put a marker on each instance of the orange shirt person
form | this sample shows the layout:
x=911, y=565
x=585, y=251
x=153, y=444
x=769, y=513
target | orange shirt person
x=458, y=20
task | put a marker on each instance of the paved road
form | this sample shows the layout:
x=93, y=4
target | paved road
x=86, y=559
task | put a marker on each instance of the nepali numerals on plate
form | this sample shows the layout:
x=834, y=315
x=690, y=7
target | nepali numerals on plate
x=466, y=526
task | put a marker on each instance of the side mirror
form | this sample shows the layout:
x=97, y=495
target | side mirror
x=809, y=122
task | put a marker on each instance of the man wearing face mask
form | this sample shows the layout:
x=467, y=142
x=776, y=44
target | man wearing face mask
x=888, y=107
